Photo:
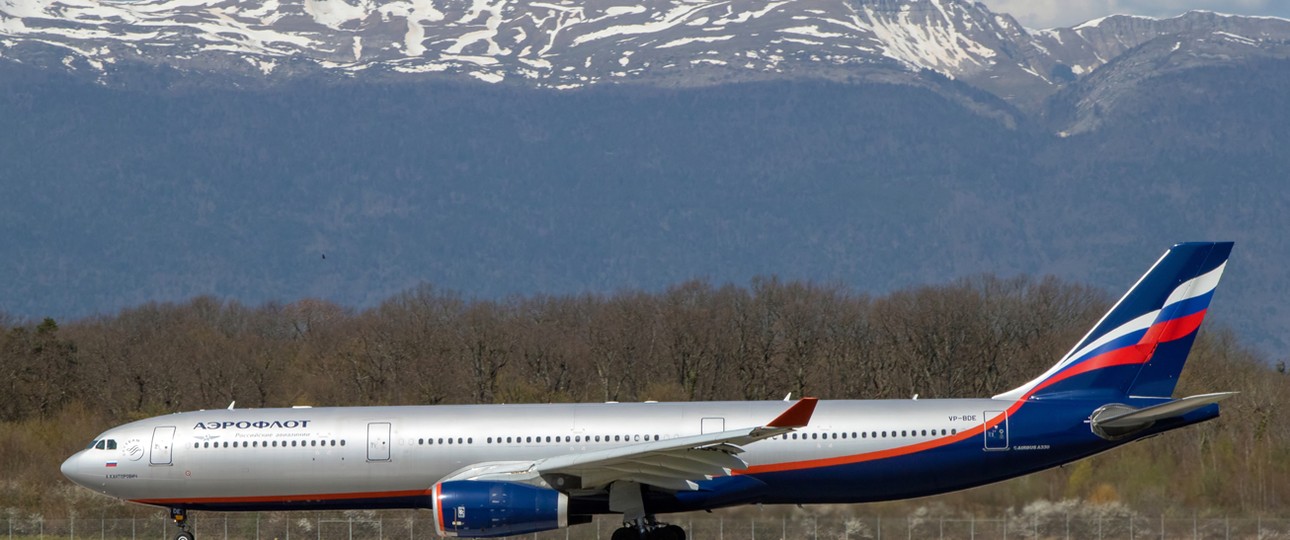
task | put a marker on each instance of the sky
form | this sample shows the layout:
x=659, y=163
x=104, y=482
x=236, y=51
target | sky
x=1056, y=13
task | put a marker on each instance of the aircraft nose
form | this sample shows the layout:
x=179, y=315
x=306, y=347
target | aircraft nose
x=72, y=468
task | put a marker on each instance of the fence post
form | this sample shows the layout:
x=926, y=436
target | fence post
x=226, y=527
x=752, y=522
x=880, y=528
x=815, y=527
x=972, y=527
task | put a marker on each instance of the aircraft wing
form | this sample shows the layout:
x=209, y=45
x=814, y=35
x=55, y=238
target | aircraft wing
x=674, y=464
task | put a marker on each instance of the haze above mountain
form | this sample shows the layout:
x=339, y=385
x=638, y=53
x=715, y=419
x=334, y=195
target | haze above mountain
x=162, y=149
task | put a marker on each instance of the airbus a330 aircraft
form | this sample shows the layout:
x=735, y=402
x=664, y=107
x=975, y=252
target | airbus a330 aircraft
x=498, y=470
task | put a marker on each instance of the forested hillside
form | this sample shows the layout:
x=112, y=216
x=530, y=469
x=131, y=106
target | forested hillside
x=115, y=196
x=693, y=341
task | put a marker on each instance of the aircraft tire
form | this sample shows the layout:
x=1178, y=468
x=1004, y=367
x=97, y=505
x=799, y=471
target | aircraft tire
x=672, y=532
x=184, y=535
x=625, y=533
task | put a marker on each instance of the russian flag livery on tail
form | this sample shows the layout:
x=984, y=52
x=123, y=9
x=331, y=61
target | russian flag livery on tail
x=499, y=470
x=1138, y=348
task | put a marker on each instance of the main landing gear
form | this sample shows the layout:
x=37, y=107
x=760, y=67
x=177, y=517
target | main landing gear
x=651, y=530
x=638, y=524
x=181, y=520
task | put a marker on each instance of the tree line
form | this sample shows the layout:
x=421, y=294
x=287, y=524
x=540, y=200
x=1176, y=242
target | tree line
x=693, y=341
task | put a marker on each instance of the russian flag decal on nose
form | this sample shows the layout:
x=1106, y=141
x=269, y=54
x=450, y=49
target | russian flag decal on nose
x=110, y=464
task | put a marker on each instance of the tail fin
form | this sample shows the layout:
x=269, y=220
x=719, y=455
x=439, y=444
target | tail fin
x=1139, y=347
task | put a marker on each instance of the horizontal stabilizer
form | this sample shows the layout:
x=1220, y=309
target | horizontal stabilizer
x=1171, y=409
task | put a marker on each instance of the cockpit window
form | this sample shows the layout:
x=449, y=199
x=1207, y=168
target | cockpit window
x=101, y=444
x=92, y=444
x=111, y=444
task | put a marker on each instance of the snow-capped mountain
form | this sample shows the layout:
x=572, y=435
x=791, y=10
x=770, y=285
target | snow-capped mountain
x=573, y=43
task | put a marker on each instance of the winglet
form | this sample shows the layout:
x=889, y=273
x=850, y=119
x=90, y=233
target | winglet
x=796, y=416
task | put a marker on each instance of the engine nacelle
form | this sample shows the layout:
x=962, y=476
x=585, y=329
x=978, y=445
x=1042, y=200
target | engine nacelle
x=472, y=509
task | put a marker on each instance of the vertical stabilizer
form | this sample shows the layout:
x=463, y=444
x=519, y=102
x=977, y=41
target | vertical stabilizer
x=1139, y=347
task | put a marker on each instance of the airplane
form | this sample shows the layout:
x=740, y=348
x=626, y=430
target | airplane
x=501, y=470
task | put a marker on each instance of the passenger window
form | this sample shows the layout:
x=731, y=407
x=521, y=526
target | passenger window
x=197, y=445
x=342, y=442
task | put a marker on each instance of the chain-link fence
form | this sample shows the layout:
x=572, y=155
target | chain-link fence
x=378, y=526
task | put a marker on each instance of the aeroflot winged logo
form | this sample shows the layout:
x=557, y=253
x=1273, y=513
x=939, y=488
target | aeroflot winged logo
x=258, y=424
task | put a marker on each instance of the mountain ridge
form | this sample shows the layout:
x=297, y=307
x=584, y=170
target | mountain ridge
x=567, y=44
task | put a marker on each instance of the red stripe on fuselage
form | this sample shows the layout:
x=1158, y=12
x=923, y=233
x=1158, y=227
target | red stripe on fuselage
x=307, y=497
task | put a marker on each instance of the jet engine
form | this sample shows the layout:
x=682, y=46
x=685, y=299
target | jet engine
x=481, y=509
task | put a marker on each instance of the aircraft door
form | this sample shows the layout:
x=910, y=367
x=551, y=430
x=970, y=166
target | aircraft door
x=996, y=436
x=713, y=425
x=378, y=441
x=163, y=438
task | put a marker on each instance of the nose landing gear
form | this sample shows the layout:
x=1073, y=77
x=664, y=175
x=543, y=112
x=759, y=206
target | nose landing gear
x=180, y=516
